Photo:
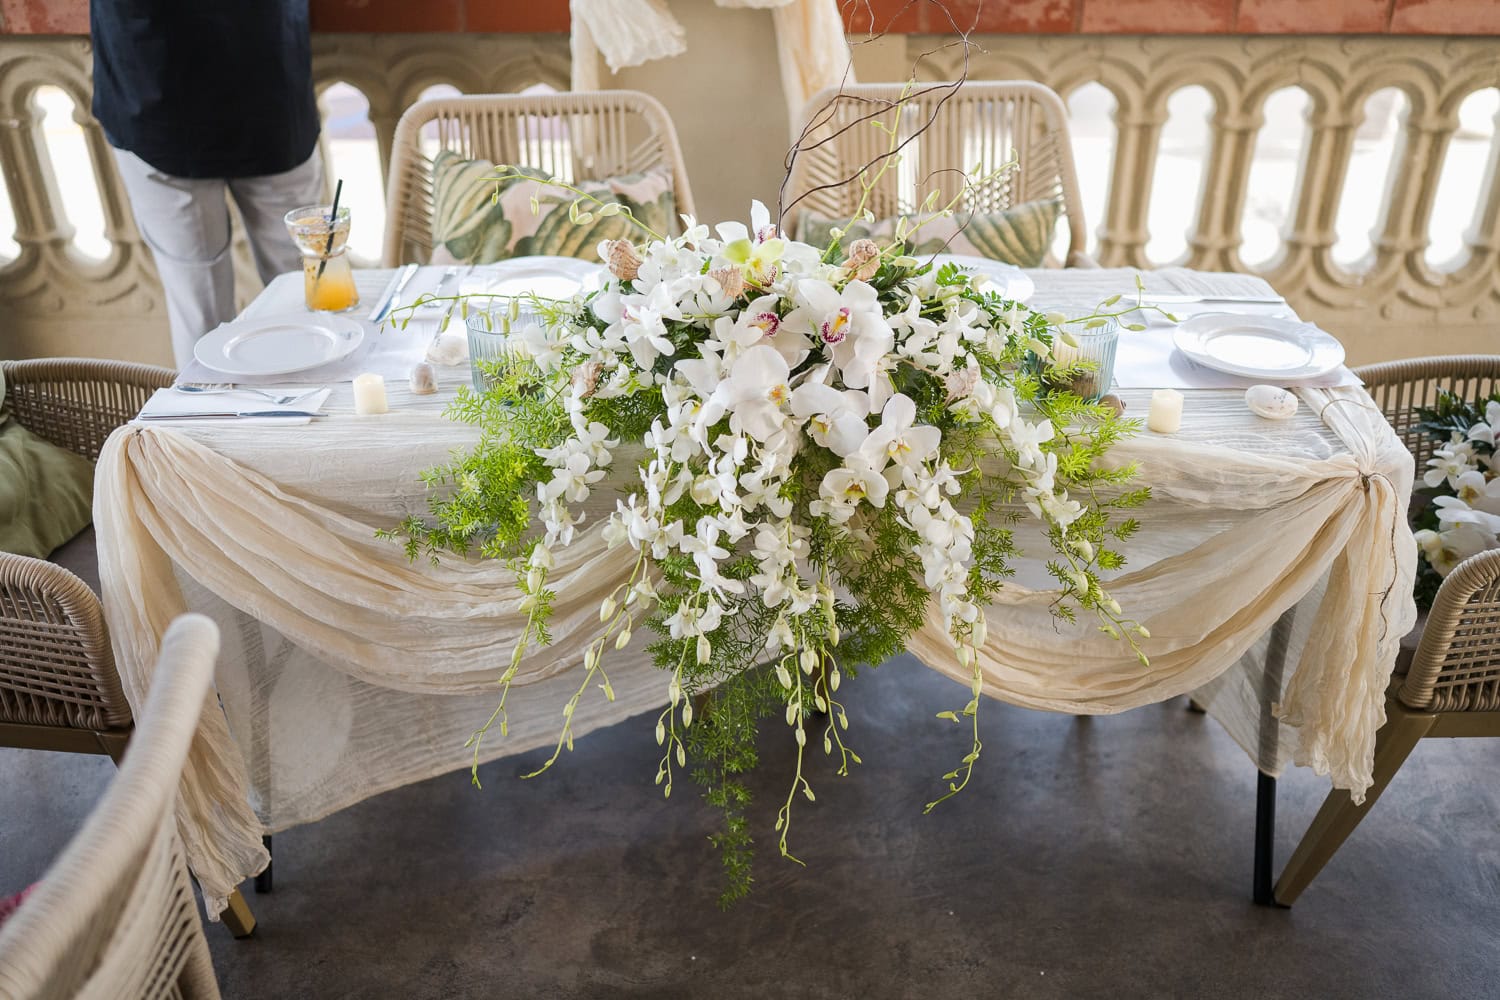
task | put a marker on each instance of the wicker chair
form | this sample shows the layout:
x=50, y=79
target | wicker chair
x=579, y=136
x=1451, y=687
x=976, y=124
x=58, y=686
x=114, y=917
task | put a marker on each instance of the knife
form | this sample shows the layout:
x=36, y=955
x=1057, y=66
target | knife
x=221, y=414
x=391, y=298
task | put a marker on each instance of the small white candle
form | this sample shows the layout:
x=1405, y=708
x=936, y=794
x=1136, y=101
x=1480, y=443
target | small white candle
x=369, y=394
x=1166, y=411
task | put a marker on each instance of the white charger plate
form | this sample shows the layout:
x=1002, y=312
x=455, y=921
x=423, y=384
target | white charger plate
x=279, y=345
x=1258, y=346
x=1011, y=282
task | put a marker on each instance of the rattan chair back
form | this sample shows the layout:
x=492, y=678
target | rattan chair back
x=976, y=125
x=1456, y=667
x=56, y=669
x=78, y=402
x=114, y=918
x=1399, y=387
x=573, y=137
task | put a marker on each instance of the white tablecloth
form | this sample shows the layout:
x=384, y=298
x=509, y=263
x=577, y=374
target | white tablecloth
x=347, y=670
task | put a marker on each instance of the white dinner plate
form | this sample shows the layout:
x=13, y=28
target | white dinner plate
x=279, y=345
x=1258, y=346
x=547, y=277
x=1011, y=282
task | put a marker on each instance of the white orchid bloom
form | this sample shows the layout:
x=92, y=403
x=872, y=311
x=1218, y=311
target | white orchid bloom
x=752, y=395
x=848, y=324
x=835, y=420
x=1481, y=494
x=1028, y=438
x=855, y=481
x=1447, y=464
x=1452, y=511
x=898, y=438
x=1457, y=543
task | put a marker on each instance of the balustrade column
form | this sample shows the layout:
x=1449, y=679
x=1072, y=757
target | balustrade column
x=1123, y=236
x=1311, y=230
x=1408, y=200
x=1215, y=240
x=29, y=178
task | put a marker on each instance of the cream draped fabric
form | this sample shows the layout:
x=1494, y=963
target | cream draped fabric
x=811, y=48
x=1273, y=564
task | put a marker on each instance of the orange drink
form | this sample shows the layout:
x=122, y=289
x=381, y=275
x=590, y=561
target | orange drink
x=327, y=276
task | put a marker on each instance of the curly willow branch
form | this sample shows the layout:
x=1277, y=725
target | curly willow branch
x=819, y=120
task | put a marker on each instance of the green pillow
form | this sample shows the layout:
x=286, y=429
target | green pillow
x=477, y=220
x=46, y=492
x=1017, y=235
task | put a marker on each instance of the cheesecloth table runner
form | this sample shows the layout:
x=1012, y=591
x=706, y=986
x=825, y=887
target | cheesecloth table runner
x=348, y=670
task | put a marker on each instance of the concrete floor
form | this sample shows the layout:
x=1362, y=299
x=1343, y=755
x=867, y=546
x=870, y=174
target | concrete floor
x=1088, y=857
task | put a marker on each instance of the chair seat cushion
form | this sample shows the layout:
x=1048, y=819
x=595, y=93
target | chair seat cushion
x=478, y=220
x=46, y=492
x=1018, y=235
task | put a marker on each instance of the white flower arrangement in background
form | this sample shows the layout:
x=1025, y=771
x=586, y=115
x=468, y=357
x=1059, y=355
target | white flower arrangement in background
x=1462, y=482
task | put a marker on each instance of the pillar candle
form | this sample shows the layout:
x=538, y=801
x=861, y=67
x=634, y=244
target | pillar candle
x=1166, y=411
x=369, y=394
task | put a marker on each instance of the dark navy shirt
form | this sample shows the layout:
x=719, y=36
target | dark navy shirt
x=206, y=88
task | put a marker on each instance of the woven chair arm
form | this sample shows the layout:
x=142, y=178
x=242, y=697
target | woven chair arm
x=56, y=667
x=76, y=403
x=1456, y=667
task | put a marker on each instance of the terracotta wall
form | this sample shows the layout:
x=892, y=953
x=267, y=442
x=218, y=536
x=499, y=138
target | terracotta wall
x=1405, y=17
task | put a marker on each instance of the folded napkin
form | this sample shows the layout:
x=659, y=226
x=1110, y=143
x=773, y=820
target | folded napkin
x=183, y=405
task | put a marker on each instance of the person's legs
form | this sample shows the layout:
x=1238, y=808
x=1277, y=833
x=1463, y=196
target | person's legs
x=185, y=222
x=264, y=202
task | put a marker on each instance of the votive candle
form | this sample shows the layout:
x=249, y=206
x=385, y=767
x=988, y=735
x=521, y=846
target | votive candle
x=1166, y=411
x=369, y=394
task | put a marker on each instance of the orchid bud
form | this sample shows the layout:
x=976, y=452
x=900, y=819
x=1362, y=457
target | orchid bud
x=705, y=649
x=809, y=661
x=607, y=609
x=623, y=639
x=1056, y=319
x=783, y=676
x=687, y=713
x=980, y=631
x=833, y=680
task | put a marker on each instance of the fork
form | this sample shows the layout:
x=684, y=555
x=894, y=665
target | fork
x=279, y=400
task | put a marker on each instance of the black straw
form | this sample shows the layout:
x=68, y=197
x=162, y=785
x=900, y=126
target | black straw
x=333, y=224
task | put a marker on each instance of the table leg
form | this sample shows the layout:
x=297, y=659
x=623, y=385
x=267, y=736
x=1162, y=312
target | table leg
x=263, y=880
x=1265, y=838
x=1262, y=879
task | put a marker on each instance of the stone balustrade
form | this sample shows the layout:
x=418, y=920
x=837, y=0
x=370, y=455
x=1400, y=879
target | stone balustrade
x=1391, y=303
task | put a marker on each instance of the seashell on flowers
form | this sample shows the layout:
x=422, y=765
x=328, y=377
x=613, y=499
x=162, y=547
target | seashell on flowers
x=863, y=260
x=731, y=279
x=624, y=262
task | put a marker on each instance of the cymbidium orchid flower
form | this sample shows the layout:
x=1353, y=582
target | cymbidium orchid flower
x=847, y=324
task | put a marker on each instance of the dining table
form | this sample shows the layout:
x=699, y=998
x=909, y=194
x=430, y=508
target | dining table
x=1273, y=565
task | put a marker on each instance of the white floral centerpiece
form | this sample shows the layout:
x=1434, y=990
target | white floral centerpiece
x=1461, y=515
x=837, y=443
